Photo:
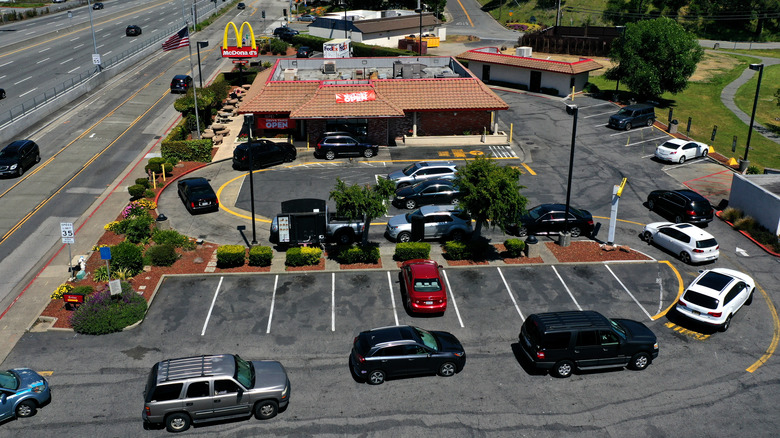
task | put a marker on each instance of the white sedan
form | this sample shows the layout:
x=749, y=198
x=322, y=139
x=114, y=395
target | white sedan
x=678, y=150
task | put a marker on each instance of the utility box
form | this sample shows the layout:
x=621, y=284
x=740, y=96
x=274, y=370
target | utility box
x=339, y=48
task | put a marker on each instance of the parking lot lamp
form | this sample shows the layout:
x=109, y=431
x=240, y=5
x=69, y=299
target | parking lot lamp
x=419, y=46
x=249, y=120
x=344, y=5
x=200, y=74
x=565, y=238
x=760, y=68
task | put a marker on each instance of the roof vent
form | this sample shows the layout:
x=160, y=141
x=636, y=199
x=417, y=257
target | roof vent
x=329, y=68
x=524, y=51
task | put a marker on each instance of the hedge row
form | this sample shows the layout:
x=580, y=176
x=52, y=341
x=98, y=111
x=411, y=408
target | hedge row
x=358, y=254
x=306, y=256
x=232, y=256
x=187, y=150
x=412, y=250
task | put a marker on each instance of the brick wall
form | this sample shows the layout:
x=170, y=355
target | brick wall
x=452, y=122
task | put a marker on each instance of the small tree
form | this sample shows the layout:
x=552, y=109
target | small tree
x=490, y=193
x=654, y=57
x=367, y=202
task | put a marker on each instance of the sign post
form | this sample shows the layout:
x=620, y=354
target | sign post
x=105, y=254
x=617, y=191
x=66, y=230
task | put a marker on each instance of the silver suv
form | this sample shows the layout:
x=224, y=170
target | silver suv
x=208, y=388
x=422, y=171
x=438, y=221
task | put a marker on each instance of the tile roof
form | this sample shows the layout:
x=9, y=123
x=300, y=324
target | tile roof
x=571, y=68
x=323, y=104
x=440, y=94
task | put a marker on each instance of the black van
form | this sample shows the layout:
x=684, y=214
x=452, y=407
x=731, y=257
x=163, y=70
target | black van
x=563, y=341
x=633, y=115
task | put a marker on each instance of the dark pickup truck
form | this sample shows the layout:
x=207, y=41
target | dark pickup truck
x=307, y=221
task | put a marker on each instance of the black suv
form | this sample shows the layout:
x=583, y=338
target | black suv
x=133, y=30
x=405, y=350
x=264, y=153
x=19, y=156
x=181, y=83
x=564, y=341
x=285, y=33
x=304, y=52
x=681, y=206
x=331, y=146
x=633, y=115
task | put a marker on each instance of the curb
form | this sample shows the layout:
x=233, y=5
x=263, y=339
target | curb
x=744, y=233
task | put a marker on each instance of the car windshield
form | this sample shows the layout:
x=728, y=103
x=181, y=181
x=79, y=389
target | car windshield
x=706, y=243
x=201, y=191
x=8, y=380
x=245, y=372
x=618, y=328
x=428, y=339
x=416, y=213
x=624, y=112
x=701, y=299
x=410, y=169
x=535, y=213
x=427, y=284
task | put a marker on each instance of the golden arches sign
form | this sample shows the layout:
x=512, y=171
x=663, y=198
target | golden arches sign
x=239, y=51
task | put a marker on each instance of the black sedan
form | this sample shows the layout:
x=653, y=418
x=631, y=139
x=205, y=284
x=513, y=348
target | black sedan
x=551, y=219
x=432, y=192
x=332, y=146
x=681, y=206
x=97, y=6
x=197, y=195
x=2, y=93
x=264, y=153
x=405, y=350
x=241, y=6
x=133, y=30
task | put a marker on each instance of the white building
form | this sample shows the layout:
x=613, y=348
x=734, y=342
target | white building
x=378, y=28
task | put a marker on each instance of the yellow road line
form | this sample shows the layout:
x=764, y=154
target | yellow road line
x=775, y=333
x=685, y=331
x=679, y=290
x=529, y=169
x=467, y=14
x=621, y=220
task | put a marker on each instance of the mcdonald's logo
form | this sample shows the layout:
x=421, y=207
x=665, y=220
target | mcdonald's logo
x=239, y=51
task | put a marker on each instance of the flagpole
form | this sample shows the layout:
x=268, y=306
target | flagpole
x=194, y=87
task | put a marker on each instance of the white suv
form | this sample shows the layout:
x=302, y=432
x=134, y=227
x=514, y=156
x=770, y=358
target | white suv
x=422, y=171
x=715, y=296
x=689, y=242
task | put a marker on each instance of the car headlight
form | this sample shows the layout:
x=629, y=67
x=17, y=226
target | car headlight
x=13, y=166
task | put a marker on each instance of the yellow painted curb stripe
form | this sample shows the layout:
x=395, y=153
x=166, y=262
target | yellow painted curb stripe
x=775, y=333
x=679, y=290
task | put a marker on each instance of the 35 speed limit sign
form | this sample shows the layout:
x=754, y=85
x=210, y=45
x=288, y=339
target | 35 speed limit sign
x=66, y=229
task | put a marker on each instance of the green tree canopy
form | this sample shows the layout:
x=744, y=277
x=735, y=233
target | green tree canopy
x=366, y=202
x=490, y=193
x=654, y=57
x=186, y=103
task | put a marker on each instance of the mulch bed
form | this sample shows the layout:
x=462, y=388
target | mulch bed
x=514, y=260
x=377, y=265
x=318, y=267
x=589, y=251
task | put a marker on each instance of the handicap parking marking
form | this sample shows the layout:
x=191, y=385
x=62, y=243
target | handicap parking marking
x=452, y=298
x=511, y=295
x=567, y=288
x=684, y=331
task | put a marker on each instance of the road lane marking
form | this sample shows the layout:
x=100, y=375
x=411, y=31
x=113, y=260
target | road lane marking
x=45, y=373
x=686, y=332
x=529, y=169
x=67, y=60
x=25, y=79
x=28, y=92
x=645, y=141
x=511, y=295
x=628, y=291
x=333, y=302
x=471, y=23
x=567, y=288
x=211, y=308
x=680, y=290
x=273, y=301
x=775, y=332
x=452, y=298
x=596, y=115
x=629, y=132
x=392, y=296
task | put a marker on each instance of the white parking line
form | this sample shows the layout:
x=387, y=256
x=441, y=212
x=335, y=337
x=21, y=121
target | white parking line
x=598, y=104
x=392, y=296
x=567, y=288
x=628, y=292
x=452, y=298
x=511, y=295
x=333, y=302
x=645, y=141
x=214, y=300
x=599, y=114
x=628, y=132
x=273, y=301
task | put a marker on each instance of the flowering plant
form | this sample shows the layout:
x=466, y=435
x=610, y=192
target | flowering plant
x=62, y=290
x=138, y=207
x=242, y=137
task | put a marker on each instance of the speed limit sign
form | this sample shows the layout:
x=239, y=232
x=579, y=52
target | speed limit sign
x=66, y=229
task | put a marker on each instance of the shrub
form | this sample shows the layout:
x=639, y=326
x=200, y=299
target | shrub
x=358, y=254
x=590, y=88
x=112, y=226
x=473, y=250
x=82, y=290
x=63, y=289
x=230, y=256
x=100, y=274
x=514, y=247
x=753, y=170
x=187, y=150
x=456, y=250
x=136, y=191
x=143, y=182
x=138, y=228
x=127, y=255
x=172, y=237
x=122, y=274
x=149, y=193
x=135, y=208
x=745, y=223
x=102, y=313
x=303, y=256
x=260, y=256
x=412, y=250
x=162, y=255
x=157, y=164
x=731, y=214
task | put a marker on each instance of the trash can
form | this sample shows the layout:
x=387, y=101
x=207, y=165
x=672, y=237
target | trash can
x=532, y=247
x=161, y=223
x=673, y=126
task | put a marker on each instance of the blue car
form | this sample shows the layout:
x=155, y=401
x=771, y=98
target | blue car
x=22, y=392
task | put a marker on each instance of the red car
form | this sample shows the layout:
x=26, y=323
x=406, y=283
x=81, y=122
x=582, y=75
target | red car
x=425, y=290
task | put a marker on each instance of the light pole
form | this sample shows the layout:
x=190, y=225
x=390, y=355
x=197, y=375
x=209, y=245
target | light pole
x=565, y=238
x=344, y=4
x=760, y=68
x=200, y=74
x=96, y=57
x=419, y=45
x=249, y=120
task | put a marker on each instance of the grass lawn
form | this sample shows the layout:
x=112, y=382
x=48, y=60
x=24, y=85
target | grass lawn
x=767, y=110
x=522, y=11
x=701, y=102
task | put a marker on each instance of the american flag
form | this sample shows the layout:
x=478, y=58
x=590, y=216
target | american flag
x=179, y=39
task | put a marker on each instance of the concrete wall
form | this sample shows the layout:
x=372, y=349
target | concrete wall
x=517, y=75
x=749, y=195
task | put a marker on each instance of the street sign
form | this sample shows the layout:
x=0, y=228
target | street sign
x=96, y=58
x=66, y=230
x=115, y=287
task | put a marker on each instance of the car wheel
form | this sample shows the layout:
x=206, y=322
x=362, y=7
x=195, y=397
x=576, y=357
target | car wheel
x=345, y=238
x=26, y=408
x=19, y=170
x=628, y=126
x=726, y=324
x=38, y=158
x=330, y=155
x=266, y=409
x=575, y=231
x=410, y=204
x=650, y=122
x=685, y=257
x=177, y=422
x=749, y=299
x=640, y=361
x=704, y=153
x=682, y=159
x=522, y=231
x=650, y=204
x=289, y=158
x=405, y=237
x=648, y=236
x=457, y=235
x=447, y=369
x=376, y=377
x=678, y=219
x=563, y=369
x=368, y=153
